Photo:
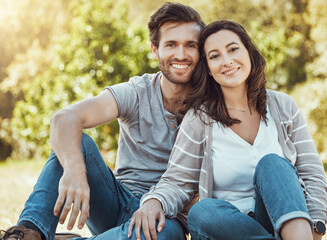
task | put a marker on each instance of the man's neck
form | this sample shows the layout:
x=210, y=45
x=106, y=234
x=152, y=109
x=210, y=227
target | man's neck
x=173, y=96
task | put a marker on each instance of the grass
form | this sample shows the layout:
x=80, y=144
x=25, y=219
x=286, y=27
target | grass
x=16, y=183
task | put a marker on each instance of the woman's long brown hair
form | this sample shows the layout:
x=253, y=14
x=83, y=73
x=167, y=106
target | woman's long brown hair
x=206, y=95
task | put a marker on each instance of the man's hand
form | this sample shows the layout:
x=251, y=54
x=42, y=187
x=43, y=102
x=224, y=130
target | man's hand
x=146, y=217
x=74, y=189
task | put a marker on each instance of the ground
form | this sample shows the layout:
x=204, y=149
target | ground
x=16, y=183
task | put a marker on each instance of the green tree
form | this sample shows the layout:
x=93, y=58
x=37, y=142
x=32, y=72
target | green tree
x=26, y=30
x=99, y=49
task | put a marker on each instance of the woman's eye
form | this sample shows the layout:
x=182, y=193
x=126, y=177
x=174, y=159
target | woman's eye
x=213, y=56
x=233, y=49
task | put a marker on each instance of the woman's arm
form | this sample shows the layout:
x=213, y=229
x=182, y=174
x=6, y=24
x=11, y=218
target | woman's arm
x=309, y=166
x=178, y=184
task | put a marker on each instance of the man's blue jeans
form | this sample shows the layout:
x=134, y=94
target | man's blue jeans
x=111, y=204
x=279, y=198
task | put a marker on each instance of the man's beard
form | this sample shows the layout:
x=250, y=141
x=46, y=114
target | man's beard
x=165, y=69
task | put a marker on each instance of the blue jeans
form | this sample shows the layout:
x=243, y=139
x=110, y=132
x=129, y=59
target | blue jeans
x=111, y=204
x=279, y=198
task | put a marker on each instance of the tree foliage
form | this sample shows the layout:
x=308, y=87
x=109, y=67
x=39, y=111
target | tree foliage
x=55, y=53
x=99, y=49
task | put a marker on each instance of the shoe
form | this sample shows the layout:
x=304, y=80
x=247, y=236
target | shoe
x=20, y=233
x=65, y=236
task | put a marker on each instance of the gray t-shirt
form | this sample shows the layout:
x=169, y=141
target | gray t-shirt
x=147, y=132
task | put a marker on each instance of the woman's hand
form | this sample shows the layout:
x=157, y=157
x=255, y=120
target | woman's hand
x=145, y=218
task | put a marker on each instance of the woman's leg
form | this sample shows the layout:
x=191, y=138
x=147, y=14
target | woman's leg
x=217, y=219
x=280, y=201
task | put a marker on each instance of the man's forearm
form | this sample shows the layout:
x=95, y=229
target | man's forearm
x=65, y=137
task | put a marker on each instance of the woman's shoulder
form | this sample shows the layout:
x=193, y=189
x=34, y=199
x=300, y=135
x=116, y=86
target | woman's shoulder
x=280, y=98
x=285, y=104
x=278, y=95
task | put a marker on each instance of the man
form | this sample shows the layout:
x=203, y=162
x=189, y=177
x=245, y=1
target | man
x=75, y=178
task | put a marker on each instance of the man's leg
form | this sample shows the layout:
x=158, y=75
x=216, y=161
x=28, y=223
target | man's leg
x=108, y=201
x=172, y=231
x=217, y=219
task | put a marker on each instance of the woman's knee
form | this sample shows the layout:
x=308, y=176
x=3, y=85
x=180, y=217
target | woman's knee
x=274, y=163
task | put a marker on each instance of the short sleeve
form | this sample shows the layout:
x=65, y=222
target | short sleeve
x=126, y=97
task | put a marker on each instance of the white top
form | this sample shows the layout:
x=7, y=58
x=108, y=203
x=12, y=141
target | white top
x=234, y=162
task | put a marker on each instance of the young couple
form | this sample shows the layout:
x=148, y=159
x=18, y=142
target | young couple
x=244, y=151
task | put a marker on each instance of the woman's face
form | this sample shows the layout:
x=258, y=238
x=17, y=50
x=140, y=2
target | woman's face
x=228, y=60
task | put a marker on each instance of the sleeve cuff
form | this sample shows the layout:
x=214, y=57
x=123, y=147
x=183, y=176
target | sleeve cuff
x=143, y=200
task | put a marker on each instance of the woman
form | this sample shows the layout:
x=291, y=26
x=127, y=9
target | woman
x=246, y=150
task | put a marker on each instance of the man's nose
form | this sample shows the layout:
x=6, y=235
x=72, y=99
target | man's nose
x=180, y=53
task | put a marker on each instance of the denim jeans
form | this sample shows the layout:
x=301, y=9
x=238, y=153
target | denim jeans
x=111, y=204
x=279, y=198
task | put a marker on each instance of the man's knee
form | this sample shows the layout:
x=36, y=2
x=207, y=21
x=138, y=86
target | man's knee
x=87, y=140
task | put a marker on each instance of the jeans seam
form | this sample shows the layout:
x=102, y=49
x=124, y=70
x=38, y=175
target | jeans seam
x=272, y=220
x=90, y=155
x=258, y=189
x=127, y=209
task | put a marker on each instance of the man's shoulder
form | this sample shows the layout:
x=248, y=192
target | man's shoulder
x=144, y=80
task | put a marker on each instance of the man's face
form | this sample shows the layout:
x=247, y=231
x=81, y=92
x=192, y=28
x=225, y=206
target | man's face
x=178, y=51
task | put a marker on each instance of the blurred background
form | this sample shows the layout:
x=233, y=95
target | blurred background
x=54, y=53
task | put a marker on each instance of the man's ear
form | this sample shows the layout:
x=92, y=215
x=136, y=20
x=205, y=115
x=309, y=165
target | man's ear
x=154, y=51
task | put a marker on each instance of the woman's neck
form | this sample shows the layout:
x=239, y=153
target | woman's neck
x=236, y=98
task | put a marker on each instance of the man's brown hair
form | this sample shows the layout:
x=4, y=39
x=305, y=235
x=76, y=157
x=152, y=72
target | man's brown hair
x=171, y=12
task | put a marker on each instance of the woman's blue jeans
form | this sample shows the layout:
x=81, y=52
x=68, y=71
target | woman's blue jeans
x=111, y=204
x=279, y=198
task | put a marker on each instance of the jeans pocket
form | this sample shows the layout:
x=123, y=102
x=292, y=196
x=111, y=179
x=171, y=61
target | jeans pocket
x=130, y=208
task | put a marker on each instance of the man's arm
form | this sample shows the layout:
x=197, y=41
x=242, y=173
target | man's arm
x=65, y=137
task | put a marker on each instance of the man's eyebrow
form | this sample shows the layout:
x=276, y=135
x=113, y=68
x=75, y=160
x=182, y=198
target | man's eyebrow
x=188, y=42
x=192, y=41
